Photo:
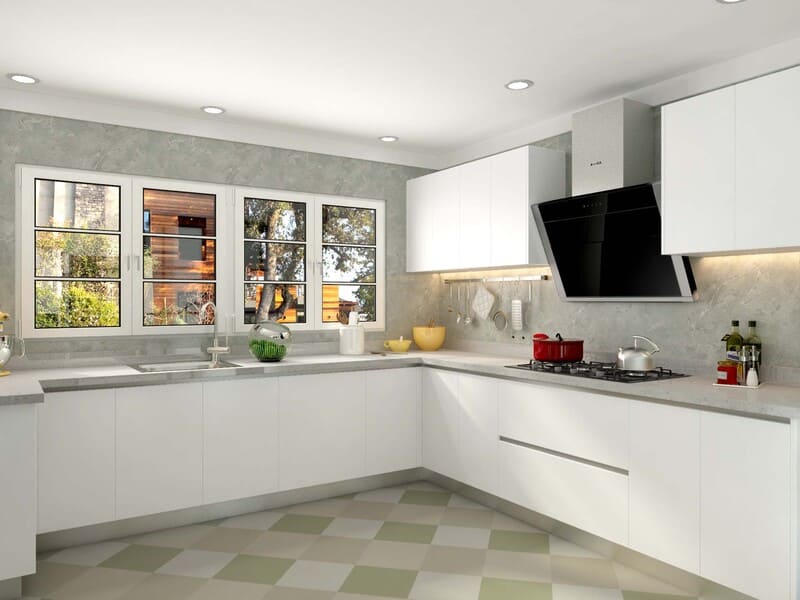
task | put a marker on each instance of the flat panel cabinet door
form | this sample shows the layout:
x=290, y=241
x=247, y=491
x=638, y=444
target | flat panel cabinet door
x=17, y=490
x=440, y=416
x=444, y=214
x=322, y=429
x=159, y=448
x=745, y=523
x=509, y=208
x=76, y=459
x=394, y=413
x=587, y=425
x=587, y=497
x=698, y=174
x=240, y=439
x=478, y=431
x=475, y=213
x=767, y=155
x=665, y=483
x=419, y=225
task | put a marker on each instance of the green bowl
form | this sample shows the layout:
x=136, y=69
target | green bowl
x=267, y=351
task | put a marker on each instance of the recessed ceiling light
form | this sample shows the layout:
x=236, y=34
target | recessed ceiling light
x=388, y=138
x=213, y=110
x=22, y=78
x=519, y=84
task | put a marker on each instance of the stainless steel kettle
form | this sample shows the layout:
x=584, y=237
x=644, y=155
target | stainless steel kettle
x=636, y=358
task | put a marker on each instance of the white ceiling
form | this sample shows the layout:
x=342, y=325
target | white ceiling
x=431, y=72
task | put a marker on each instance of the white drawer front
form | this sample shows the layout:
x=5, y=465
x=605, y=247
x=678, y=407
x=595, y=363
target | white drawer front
x=591, y=498
x=591, y=426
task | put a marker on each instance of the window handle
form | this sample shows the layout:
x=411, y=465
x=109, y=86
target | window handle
x=128, y=262
x=138, y=262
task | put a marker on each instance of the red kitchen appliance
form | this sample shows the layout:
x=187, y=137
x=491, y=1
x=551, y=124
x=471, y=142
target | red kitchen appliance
x=557, y=349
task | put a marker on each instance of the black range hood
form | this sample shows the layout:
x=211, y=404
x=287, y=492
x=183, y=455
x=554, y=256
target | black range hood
x=606, y=246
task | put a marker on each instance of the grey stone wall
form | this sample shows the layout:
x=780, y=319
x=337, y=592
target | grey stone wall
x=56, y=142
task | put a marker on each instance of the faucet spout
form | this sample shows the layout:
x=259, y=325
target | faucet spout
x=215, y=349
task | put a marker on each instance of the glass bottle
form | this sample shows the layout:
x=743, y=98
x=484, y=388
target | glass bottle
x=753, y=339
x=733, y=342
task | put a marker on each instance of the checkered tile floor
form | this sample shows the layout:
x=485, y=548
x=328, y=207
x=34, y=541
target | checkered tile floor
x=413, y=541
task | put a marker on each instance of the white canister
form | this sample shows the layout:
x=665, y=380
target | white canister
x=351, y=339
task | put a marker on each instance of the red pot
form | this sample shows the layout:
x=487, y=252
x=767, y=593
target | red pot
x=557, y=349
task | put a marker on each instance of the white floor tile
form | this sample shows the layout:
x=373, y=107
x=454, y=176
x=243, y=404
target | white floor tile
x=87, y=556
x=463, y=537
x=260, y=520
x=445, y=586
x=197, y=563
x=353, y=528
x=579, y=592
x=315, y=575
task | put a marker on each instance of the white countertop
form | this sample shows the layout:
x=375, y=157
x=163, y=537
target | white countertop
x=768, y=401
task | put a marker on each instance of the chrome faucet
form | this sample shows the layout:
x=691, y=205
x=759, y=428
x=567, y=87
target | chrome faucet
x=215, y=349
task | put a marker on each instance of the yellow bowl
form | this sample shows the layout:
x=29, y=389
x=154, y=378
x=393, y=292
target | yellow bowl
x=428, y=338
x=397, y=345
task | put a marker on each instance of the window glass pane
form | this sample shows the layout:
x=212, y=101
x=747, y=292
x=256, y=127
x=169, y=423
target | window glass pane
x=179, y=303
x=348, y=264
x=76, y=304
x=341, y=299
x=348, y=225
x=274, y=220
x=89, y=255
x=284, y=303
x=179, y=258
x=77, y=205
x=274, y=262
x=182, y=213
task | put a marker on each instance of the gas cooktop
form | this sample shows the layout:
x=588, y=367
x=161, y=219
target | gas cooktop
x=598, y=370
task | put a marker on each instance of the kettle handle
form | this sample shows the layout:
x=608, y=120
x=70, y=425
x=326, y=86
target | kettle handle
x=648, y=340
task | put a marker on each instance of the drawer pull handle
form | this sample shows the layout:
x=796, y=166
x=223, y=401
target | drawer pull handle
x=571, y=457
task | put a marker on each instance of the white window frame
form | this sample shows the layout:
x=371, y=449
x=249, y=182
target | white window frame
x=313, y=204
x=221, y=248
x=26, y=251
x=229, y=253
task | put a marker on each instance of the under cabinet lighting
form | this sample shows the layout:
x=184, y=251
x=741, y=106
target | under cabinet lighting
x=213, y=110
x=519, y=84
x=22, y=78
x=388, y=138
x=730, y=1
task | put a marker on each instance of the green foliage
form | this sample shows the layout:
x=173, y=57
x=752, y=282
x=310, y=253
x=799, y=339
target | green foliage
x=80, y=304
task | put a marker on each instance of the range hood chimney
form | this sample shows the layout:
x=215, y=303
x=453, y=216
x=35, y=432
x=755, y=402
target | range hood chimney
x=612, y=146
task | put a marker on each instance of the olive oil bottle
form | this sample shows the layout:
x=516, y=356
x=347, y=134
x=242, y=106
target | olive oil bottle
x=733, y=342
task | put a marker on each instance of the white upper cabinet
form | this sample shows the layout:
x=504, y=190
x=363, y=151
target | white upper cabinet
x=767, y=152
x=698, y=161
x=727, y=178
x=478, y=215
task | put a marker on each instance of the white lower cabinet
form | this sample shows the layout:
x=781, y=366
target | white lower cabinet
x=440, y=416
x=393, y=420
x=240, y=439
x=665, y=483
x=75, y=433
x=322, y=429
x=477, y=431
x=745, y=520
x=159, y=448
x=17, y=491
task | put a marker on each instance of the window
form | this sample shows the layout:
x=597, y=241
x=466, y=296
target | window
x=105, y=254
x=307, y=260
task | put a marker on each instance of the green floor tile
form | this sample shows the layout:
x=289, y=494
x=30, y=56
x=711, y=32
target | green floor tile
x=137, y=557
x=511, y=589
x=255, y=569
x=377, y=581
x=519, y=541
x=406, y=532
x=425, y=497
x=302, y=524
x=626, y=595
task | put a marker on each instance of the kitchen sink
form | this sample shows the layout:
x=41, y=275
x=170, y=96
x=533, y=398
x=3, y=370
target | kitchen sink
x=183, y=365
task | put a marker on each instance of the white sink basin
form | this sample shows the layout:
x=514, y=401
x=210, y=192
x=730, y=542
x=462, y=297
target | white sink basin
x=185, y=365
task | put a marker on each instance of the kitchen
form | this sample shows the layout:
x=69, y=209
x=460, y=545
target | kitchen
x=44, y=130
